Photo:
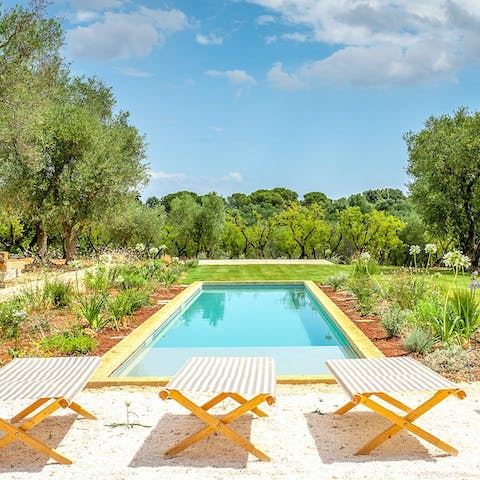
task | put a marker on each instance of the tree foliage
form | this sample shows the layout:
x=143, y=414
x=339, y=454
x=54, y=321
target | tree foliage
x=444, y=162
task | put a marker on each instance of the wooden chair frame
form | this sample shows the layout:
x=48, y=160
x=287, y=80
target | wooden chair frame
x=401, y=422
x=219, y=425
x=20, y=432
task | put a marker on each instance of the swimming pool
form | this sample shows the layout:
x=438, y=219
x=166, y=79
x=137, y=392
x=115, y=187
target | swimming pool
x=285, y=321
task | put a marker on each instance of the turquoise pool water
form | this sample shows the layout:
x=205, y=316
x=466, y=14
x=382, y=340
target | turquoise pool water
x=283, y=321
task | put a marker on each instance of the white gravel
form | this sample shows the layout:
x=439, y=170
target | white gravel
x=301, y=435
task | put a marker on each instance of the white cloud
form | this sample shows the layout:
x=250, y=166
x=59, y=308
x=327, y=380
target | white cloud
x=235, y=77
x=295, y=36
x=124, y=35
x=199, y=183
x=283, y=80
x=233, y=177
x=82, y=16
x=134, y=72
x=167, y=176
x=383, y=42
x=95, y=4
x=265, y=19
x=216, y=128
x=210, y=39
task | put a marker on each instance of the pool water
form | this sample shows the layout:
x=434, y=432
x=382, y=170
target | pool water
x=282, y=321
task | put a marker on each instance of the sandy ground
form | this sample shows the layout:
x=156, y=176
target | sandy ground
x=301, y=435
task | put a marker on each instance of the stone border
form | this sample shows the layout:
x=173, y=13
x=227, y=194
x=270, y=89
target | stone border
x=118, y=354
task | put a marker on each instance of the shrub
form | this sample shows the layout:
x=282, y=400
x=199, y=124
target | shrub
x=92, y=310
x=12, y=316
x=393, y=321
x=169, y=277
x=465, y=307
x=337, y=281
x=450, y=358
x=365, y=291
x=132, y=280
x=124, y=304
x=68, y=343
x=438, y=317
x=57, y=293
x=418, y=341
x=405, y=289
x=99, y=280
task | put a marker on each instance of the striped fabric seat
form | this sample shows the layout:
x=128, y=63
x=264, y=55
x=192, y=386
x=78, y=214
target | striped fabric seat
x=394, y=374
x=231, y=378
x=369, y=380
x=33, y=378
x=245, y=375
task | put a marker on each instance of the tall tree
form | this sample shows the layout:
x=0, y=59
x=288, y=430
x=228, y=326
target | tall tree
x=444, y=162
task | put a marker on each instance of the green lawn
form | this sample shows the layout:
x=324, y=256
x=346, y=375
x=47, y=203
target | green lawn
x=317, y=273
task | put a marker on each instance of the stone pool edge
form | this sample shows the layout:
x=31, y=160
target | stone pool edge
x=118, y=354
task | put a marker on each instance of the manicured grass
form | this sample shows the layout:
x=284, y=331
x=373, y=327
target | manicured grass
x=317, y=273
x=231, y=273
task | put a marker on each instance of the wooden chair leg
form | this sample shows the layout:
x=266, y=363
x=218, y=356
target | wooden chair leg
x=31, y=408
x=405, y=422
x=216, y=425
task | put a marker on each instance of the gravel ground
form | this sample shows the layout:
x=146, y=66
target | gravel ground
x=303, y=438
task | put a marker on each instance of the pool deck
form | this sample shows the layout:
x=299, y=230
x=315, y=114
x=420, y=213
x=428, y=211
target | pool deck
x=116, y=356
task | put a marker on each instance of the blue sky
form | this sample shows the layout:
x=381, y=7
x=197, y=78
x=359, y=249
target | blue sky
x=310, y=95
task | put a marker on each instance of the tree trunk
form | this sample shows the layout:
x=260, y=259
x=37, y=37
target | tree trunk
x=70, y=242
x=41, y=240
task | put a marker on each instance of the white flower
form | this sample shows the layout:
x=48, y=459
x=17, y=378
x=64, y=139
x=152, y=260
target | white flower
x=140, y=247
x=430, y=248
x=365, y=257
x=456, y=259
x=105, y=258
x=153, y=251
x=414, y=250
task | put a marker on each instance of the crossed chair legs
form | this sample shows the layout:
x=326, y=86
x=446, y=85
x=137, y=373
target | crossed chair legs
x=219, y=425
x=20, y=432
x=401, y=422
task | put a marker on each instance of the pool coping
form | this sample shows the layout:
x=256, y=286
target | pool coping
x=118, y=354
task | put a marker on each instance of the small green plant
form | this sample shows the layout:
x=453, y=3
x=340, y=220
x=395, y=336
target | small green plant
x=365, y=291
x=405, y=289
x=450, y=358
x=92, y=310
x=132, y=280
x=418, y=341
x=393, y=321
x=364, y=264
x=68, y=343
x=99, y=280
x=169, y=277
x=12, y=315
x=57, y=293
x=465, y=307
x=338, y=281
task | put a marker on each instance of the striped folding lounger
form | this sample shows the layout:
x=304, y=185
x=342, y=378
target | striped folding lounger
x=224, y=377
x=363, y=379
x=50, y=381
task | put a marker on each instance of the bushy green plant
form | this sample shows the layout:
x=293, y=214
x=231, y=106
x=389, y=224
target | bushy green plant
x=465, y=307
x=169, y=277
x=418, y=341
x=57, y=293
x=338, y=281
x=12, y=315
x=393, y=321
x=437, y=316
x=365, y=291
x=68, y=343
x=132, y=280
x=405, y=289
x=98, y=281
x=450, y=358
x=92, y=309
x=124, y=304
